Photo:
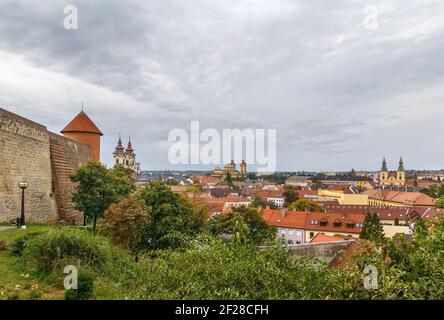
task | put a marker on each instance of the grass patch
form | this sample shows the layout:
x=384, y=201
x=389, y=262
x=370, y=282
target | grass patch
x=15, y=283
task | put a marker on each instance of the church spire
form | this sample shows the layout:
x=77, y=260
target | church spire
x=119, y=148
x=401, y=166
x=384, y=166
x=129, y=148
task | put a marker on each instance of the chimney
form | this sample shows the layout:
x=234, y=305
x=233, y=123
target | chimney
x=283, y=212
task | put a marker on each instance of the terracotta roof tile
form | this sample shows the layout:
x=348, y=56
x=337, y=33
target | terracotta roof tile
x=82, y=123
x=321, y=238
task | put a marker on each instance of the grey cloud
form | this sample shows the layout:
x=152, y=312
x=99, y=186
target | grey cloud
x=307, y=68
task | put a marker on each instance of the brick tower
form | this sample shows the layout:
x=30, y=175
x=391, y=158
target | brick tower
x=82, y=129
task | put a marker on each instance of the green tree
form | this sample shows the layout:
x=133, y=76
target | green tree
x=440, y=202
x=251, y=175
x=97, y=188
x=169, y=212
x=290, y=195
x=257, y=202
x=125, y=221
x=434, y=191
x=372, y=229
x=241, y=231
x=303, y=205
x=259, y=230
x=229, y=179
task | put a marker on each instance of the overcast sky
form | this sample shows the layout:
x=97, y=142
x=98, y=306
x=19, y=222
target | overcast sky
x=340, y=95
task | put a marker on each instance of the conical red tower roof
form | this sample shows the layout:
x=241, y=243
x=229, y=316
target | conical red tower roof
x=82, y=123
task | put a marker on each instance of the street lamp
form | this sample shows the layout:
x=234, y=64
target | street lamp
x=23, y=186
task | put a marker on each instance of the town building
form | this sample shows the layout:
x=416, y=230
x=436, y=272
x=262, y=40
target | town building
x=344, y=197
x=231, y=169
x=392, y=178
x=297, y=181
x=299, y=227
x=126, y=157
x=344, y=180
x=290, y=225
x=383, y=198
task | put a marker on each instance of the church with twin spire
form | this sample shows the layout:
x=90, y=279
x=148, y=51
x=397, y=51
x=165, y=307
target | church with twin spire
x=126, y=157
x=392, y=178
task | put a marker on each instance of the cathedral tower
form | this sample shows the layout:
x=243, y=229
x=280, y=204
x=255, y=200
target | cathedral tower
x=125, y=157
x=392, y=178
x=243, y=168
x=401, y=171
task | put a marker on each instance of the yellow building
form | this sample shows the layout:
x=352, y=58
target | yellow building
x=391, y=198
x=344, y=198
x=243, y=168
x=392, y=178
x=231, y=169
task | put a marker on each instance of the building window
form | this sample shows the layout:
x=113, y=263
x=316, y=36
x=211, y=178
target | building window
x=290, y=241
x=312, y=235
x=323, y=223
x=337, y=224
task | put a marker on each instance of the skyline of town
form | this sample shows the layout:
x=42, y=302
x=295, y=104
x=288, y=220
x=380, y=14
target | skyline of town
x=227, y=158
x=340, y=94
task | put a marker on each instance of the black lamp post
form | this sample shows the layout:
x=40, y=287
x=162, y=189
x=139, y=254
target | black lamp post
x=23, y=186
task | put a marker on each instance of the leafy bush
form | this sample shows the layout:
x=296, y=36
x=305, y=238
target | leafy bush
x=219, y=271
x=4, y=245
x=169, y=212
x=125, y=221
x=259, y=231
x=84, y=289
x=19, y=244
x=52, y=251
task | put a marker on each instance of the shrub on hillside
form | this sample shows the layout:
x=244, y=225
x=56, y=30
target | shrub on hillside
x=19, y=244
x=219, y=271
x=85, y=283
x=125, y=221
x=259, y=231
x=4, y=245
x=169, y=212
x=52, y=251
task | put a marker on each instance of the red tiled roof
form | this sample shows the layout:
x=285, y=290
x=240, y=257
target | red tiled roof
x=350, y=255
x=292, y=219
x=263, y=194
x=303, y=220
x=82, y=123
x=321, y=238
x=415, y=198
x=391, y=213
x=333, y=217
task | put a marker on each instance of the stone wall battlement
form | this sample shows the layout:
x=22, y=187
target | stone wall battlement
x=28, y=152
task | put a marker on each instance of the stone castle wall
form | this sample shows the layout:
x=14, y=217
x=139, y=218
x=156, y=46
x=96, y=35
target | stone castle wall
x=28, y=152
x=66, y=156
